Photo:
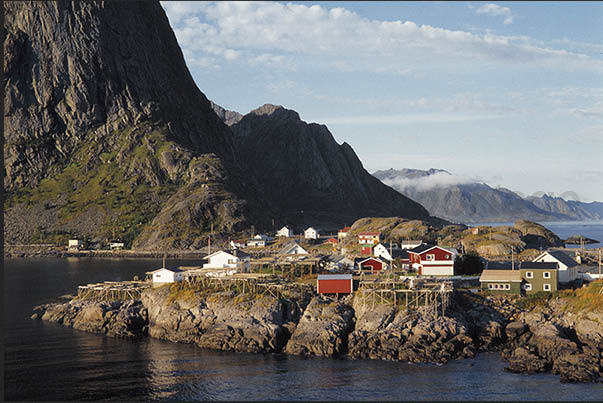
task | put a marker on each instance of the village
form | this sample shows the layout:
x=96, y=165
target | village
x=339, y=263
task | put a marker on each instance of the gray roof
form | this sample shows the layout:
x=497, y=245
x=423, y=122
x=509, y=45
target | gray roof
x=286, y=250
x=334, y=276
x=563, y=258
x=521, y=265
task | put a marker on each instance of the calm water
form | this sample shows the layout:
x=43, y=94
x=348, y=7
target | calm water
x=565, y=229
x=45, y=361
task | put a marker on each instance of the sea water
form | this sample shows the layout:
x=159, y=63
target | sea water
x=47, y=361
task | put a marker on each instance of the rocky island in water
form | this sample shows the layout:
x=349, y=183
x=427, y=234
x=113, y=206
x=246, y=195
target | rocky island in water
x=558, y=334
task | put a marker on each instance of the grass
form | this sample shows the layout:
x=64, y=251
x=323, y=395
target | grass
x=587, y=299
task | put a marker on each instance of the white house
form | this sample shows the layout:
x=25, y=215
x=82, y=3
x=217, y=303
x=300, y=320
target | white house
x=311, y=233
x=116, y=245
x=567, y=268
x=285, y=231
x=235, y=259
x=164, y=275
x=237, y=243
x=256, y=243
x=410, y=244
x=75, y=244
x=382, y=252
x=292, y=248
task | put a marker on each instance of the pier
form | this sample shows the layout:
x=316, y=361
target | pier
x=112, y=291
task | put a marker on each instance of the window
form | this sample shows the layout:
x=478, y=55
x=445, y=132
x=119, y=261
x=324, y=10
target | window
x=529, y=274
x=490, y=286
x=547, y=287
x=528, y=287
x=430, y=257
x=507, y=286
x=447, y=256
x=546, y=274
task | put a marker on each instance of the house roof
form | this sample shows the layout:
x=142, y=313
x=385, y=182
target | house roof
x=412, y=242
x=233, y=253
x=331, y=240
x=174, y=270
x=334, y=276
x=425, y=247
x=371, y=258
x=561, y=257
x=538, y=265
x=369, y=233
x=286, y=250
x=345, y=229
x=501, y=275
x=399, y=254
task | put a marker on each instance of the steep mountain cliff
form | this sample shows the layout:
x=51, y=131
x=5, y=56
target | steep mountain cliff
x=459, y=200
x=104, y=123
x=308, y=175
x=107, y=135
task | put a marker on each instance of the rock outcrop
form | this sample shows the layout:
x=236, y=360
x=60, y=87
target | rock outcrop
x=119, y=319
x=323, y=329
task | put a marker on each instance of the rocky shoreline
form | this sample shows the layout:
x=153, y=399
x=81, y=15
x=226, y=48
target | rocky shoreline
x=539, y=340
x=53, y=251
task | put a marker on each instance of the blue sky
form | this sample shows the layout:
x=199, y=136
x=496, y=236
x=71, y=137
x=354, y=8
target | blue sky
x=506, y=93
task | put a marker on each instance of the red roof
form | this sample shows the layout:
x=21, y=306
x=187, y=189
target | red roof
x=345, y=229
x=331, y=240
x=370, y=233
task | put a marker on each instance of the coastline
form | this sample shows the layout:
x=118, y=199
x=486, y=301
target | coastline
x=544, y=339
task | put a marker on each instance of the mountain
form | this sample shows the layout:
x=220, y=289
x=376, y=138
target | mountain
x=462, y=200
x=106, y=134
x=308, y=175
x=575, y=209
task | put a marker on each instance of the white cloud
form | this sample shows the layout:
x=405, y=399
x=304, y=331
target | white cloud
x=242, y=30
x=496, y=10
x=425, y=183
x=593, y=111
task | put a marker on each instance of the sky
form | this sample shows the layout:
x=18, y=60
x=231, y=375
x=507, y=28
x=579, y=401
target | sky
x=506, y=93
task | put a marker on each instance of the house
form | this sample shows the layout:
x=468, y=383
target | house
x=256, y=243
x=397, y=257
x=331, y=241
x=410, y=244
x=520, y=277
x=334, y=284
x=431, y=260
x=285, y=231
x=237, y=244
x=165, y=275
x=369, y=238
x=75, y=244
x=343, y=233
x=372, y=264
x=339, y=262
x=116, y=245
x=234, y=259
x=292, y=248
x=567, y=267
x=311, y=233
x=501, y=281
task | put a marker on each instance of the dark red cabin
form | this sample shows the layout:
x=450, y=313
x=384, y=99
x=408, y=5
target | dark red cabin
x=334, y=284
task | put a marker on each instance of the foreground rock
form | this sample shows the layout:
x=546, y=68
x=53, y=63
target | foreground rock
x=544, y=340
x=385, y=332
x=323, y=329
x=222, y=321
x=120, y=319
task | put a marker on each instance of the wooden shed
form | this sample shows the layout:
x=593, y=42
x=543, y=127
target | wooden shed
x=372, y=264
x=334, y=284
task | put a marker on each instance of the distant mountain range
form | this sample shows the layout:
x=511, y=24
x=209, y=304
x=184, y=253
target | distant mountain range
x=461, y=199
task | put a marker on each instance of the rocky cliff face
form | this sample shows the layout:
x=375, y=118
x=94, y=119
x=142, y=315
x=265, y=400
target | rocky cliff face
x=106, y=133
x=571, y=208
x=104, y=123
x=308, y=175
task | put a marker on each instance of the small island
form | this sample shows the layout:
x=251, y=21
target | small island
x=579, y=239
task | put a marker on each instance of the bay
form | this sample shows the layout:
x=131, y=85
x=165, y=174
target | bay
x=46, y=361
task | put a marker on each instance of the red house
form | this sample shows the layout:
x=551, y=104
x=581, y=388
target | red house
x=366, y=250
x=334, y=284
x=332, y=241
x=369, y=238
x=431, y=260
x=372, y=264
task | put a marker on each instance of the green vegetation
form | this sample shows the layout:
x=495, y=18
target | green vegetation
x=586, y=299
x=108, y=180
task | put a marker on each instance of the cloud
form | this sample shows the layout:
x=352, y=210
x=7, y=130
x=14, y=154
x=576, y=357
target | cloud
x=425, y=183
x=244, y=31
x=496, y=10
x=403, y=119
x=593, y=111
